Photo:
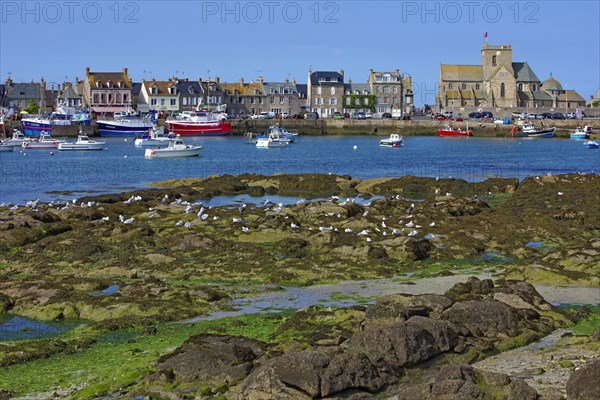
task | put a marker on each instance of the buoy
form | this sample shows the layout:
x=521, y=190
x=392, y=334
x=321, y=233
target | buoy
x=124, y=140
x=51, y=153
x=355, y=147
x=125, y=157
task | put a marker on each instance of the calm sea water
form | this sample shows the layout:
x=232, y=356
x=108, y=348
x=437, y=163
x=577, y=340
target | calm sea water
x=35, y=174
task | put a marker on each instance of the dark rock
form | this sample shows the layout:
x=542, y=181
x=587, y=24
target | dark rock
x=302, y=370
x=583, y=384
x=420, y=249
x=474, y=288
x=5, y=303
x=353, y=370
x=486, y=318
x=210, y=359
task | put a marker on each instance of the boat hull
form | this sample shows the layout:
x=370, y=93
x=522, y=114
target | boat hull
x=165, y=153
x=81, y=147
x=5, y=148
x=41, y=145
x=115, y=129
x=448, y=133
x=184, y=128
x=579, y=135
x=35, y=128
x=271, y=144
x=389, y=143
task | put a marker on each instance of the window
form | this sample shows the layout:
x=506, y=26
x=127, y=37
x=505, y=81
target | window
x=534, y=87
x=125, y=98
x=502, y=90
x=291, y=100
x=520, y=87
x=119, y=97
x=96, y=97
x=493, y=61
x=377, y=89
x=385, y=100
x=154, y=90
x=366, y=101
x=153, y=102
x=449, y=86
x=260, y=100
x=395, y=89
x=281, y=99
x=319, y=89
x=251, y=100
x=464, y=86
x=333, y=101
x=347, y=101
x=173, y=102
x=357, y=102
x=318, y=101
x=185, y=101
x=162, y=102
x=272, y=99
x=332, y=90
x=103, y=98
x=477, y=86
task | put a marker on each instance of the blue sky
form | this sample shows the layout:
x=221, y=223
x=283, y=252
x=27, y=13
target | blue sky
x=279, y=39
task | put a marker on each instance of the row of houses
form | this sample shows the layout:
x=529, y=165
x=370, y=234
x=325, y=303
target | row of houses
x=326, y=93
x=497, y=82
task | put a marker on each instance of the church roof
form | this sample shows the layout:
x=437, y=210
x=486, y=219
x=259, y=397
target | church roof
x=462, y=73
x=551, y=84
x=570, y=95
x=524, y=73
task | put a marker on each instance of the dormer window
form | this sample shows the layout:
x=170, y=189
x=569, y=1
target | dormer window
x=109, y=84
x=154, y=90
x=98, y=84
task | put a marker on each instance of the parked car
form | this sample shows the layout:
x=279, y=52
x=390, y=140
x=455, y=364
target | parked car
x=368, y=115
x=359, y=115
x=386, y=115
x=475, y=115
x=534, y=116
x=558, y=115
x=487, y=115
x=571, y=115
x=337, y=115
x=448, y=114
x=546, y=115
x=346, y=115
x=311, y=116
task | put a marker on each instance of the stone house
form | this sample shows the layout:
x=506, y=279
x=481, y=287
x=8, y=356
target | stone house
x=282, y=97
x=245, y=99
x=190, y=94
x=69, y=96
x=392, y=91
x=358, y=97
x=107, y=92
x=325, y=92
x=212, y=93
x=18, y=94
x=161, y=96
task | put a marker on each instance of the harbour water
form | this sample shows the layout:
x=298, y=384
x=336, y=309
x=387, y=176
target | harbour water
x=54, y=175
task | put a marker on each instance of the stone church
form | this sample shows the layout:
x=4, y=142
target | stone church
x=500, y=82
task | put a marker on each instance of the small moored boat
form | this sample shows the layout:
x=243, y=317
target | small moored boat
x=83, y=143
x=176, y=148
x=529, y=130
x=394, y=140
x=274, y=140
x=582, y=133
x=18, y=138
x=454, y=132
x=45, y=141
x=4, y=148
x=152, y=139
x=591, y=144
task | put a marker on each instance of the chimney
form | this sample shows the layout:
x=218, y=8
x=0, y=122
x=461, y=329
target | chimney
x=200, y=80
x=260, y=79
x=398, y=71
x=218, y=80
x=350, y=80
x=371, y=71
x=287, y=80
x=294, y=81
x=87, y=71
x=125, y=71
x=242, y=81
x=342, y=72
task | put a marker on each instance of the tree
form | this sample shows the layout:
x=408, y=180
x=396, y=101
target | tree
x=32, y=107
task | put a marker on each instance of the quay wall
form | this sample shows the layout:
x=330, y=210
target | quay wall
x=376, y=127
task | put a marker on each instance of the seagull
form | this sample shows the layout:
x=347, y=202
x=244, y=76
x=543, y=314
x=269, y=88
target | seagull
x=355, y=147
x=216, y=218
x=237, y=220
x=165, y=199
x=244, y=229
x=432, y=224
x=188, y=209
x=394, y=231
x=364, y=232
x=121, y=218
x=204, y=217
x=347, y=230
x=200, y=212
x=560, y=193
x=384, y=233
x=383, y=225
x=242, y=208
x=326, y=228
x=129, y=221
x=188, y=225
x=151, y=216
x=179, y=223
x=294, y=226
x=366, y=214
x=105, y=218
x=410, y=209
x=437, y=191
x=410, y=224
x=413, y=233
x=369, y=239
x=301, y=201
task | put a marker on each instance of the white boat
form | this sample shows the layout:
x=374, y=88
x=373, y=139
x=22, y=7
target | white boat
x=4, y=148
x=45, y=141
x=83, y=143
x=394, y=140
x=176, y=148
x=582, y=133
x=591, y=144
x=272, y=141
x=152, y=139
x=18, y=138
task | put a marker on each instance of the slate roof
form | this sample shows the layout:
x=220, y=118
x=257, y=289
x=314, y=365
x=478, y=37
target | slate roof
x=280, y=88
x=571, y=95
x=246, y=89
x=551, y=84
x=539, y=95
x=189, y=87
x=136, y=88
x=524, y=73
x=23, y=91
x=329, y=76
x=361, y=87
x=302, y=89
x=462, y=73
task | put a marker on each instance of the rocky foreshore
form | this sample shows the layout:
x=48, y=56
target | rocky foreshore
x=167, y=257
